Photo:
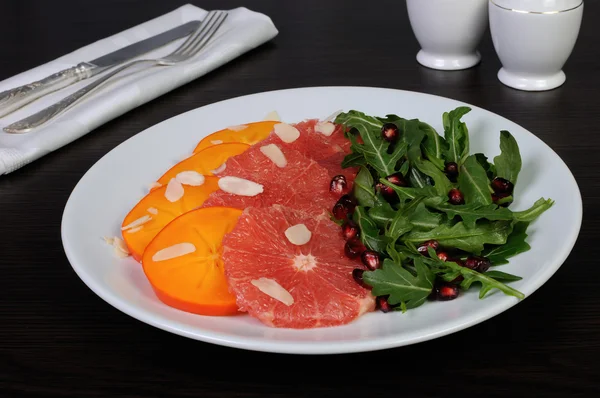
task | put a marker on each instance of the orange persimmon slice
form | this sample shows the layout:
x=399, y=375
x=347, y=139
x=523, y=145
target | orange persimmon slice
x=154, y=211
x=184, y=266
x=249, y=133
x=205, y=161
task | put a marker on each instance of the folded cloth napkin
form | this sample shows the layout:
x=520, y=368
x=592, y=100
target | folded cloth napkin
x=242, y=31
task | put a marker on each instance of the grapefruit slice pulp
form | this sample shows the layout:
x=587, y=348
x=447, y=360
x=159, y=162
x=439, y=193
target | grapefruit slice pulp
x=317, y=275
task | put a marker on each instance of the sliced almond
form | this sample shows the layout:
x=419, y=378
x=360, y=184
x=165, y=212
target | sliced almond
x=273, y=289
x=177, y=250
x=120, y=247
x=154, y=185
x=140, y=221
x=325, y=128
x=240, y=186
x=273, y=115
x=152, y=210
x=190, y=177
x=237, y=128
x=109, y=239
x=298, y=234
x=273, y=152
x=332, y=117
x=216, y=142
x=134, y=230
x=219, y=169
x=174, y=190
x=286, y=132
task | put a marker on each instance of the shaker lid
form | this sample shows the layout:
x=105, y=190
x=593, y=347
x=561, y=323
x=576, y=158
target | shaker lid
x=545, y=6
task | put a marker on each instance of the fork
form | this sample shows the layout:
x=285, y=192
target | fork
x=193, y=44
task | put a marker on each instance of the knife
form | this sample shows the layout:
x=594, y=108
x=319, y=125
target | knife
x=13, y=99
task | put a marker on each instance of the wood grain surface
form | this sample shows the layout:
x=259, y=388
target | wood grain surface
x=57, y=338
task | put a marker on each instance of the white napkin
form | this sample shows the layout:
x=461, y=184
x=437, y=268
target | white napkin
x=242, y=31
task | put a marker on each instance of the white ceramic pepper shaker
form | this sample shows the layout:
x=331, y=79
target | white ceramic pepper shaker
x=534, y=39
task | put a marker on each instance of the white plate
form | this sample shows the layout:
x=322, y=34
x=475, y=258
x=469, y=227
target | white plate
x=116, y=182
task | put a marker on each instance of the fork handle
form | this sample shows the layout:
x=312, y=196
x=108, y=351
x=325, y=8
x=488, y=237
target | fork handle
x=45, y=115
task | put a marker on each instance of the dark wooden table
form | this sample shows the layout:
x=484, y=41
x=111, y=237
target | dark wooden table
x=57, y=338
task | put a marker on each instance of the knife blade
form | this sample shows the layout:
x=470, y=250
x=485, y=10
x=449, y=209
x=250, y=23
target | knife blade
x=13, y=99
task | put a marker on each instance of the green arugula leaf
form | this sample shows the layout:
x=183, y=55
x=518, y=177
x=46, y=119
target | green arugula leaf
x=374, y=147
x=363, y=188
x=473, y=182
x=456, y=134
x=401, y=223
x=404, y=168
x=515, y=244
x=369, y=231
x=460, y=237
x=354, y=159
x=434, y=146
x=407, y=193
x=487, y=166
x=450, y=270
x=540, y=206
x=502, y=276
x=472, y=212
x=423, y=219
x=441, y=183
x=381, y=213
x=417, y=179
x=400, y=285
x=508, y=163
x=413, y=136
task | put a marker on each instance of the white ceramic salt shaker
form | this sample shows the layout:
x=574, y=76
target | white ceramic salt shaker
x=448, y=31
x=534, y=39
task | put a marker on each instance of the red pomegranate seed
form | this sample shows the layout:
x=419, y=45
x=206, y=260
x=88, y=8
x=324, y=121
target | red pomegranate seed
x=383, y=305
x=501, y=185
x=456, y=197
x=338, y=185
x=350, y=230
x=354, y=248
x=371, y=259
x=344, y=206
x=389, y=132
x=446, y=291
x=397, y=179
x=423, y=247
x=442, y=256
x=451, y=170
x=477, y=263
x=357, y=274
x=387, y=192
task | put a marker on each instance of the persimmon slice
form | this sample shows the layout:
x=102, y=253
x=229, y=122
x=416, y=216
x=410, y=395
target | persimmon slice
x=154, y=211
x=205, y=161
x=184, y=266
x=249, y=133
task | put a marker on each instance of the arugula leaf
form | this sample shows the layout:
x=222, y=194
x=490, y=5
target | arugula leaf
x=515, y=244
x=407, y=193
x=441, y=183
x=417, y=179
x=363, y=188
x=423, y=219
x=401, y=223
x=487, y=166
x=374, y=147
x=456, y=134
x=460, y=237
x=450, y=270
x=381, y=213
x=353, y=159
x=474, y=183
x=404, y=168
x=400, y=285
x=413, y=136
x=502, y=276
x=508, y=163
x=434, y=145
x=369, y=231
x=472, y=212
x=540, y=206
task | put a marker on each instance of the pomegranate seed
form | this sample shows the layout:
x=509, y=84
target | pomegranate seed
x=387, y=192
x=451, y=170
x=338, y=185
x=370, y=259
x=383, y=304
x=357, y=274
x=477, y=263
x=442, y=256
x=354, y=248
x=344, y=206
x=389, y=132
x=497, y=196
x=446, y=291
x=397, y=179
x=501, y=185
x=456, y=197
x=350, y=230
x=423, y=247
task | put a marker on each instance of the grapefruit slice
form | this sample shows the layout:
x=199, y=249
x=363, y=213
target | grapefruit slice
x=205, y=161
x=301, y=184
x=154, y=211
x=249, y=133
x=183, y=262
x=264, y=268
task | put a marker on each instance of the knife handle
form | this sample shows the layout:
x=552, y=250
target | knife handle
x=13, y=99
